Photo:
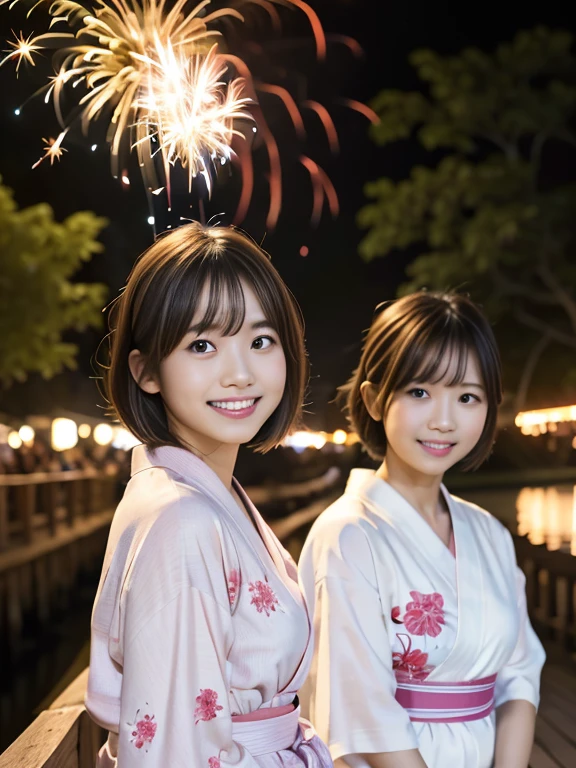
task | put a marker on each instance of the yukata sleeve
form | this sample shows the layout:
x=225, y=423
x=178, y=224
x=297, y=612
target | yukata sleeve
x=174, y=703
x=520, y=678
x=352, y=683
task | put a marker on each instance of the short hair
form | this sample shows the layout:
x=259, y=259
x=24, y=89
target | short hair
x=406, y=342
x=153, y=314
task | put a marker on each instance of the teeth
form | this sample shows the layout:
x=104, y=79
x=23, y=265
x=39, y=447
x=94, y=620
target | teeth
x=435, y=445
x=236, y=405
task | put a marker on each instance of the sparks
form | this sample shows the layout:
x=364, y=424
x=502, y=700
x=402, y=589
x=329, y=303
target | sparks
x=166, y=87
x=52, y=149
x=23, y=50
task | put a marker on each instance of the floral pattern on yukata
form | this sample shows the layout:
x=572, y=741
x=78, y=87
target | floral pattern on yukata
x=410, y=665
x=206, y=705
x=263, y=597
x=213, y=762
x=424, y=615
x=233, y=586
x=144, y=730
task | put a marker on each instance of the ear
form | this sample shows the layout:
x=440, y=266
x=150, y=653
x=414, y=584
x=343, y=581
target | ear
x=136, y=363
x=370, y=396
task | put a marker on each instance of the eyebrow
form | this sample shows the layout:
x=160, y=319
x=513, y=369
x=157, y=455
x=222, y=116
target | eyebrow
x=253, y=326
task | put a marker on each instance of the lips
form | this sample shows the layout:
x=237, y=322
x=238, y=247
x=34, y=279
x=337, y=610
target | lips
x=235, y=407
x=436, y=448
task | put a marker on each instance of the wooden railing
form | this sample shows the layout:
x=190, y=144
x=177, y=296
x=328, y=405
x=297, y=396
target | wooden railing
x=51, y=526
x=551, y=593
x=37, y=503
x=62, y=736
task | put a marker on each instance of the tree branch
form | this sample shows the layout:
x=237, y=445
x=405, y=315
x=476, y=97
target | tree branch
x=538, y=325
x=510, y=288
x=562, y=296
x=528, y=371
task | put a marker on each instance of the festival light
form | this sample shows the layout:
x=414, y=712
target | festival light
x=544, y=420
x=64, y=434
x=27, y=434
x=84, y=431
x=123, y=439
x=339, y=437
x=14, y=440
x=103, y=434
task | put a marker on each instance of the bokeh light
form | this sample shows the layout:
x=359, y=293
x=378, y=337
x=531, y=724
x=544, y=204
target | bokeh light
x=64, y=434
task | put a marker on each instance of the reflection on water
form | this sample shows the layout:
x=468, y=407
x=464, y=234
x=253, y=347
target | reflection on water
x=546, y=515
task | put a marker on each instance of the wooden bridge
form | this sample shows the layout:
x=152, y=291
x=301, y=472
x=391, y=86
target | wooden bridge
x=63, y=736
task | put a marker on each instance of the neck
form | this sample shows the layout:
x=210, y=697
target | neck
x=420, y=490
x=220, y=457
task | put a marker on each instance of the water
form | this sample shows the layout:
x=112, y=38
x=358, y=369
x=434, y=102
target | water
x=50, y=661
x=546, y=514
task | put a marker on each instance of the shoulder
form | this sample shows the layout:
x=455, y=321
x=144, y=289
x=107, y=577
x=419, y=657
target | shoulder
x=484, y=521
x=155, y=495
x=338, y=538
x=176, y=531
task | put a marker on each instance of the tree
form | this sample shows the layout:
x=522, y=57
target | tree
x=497, y=213
x=38, y=300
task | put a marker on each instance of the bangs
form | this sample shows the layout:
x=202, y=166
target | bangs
x=226, y=306
x=441, y=354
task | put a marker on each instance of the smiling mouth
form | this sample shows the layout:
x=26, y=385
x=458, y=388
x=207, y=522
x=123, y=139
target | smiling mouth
x=234, y=405
x=437, y=446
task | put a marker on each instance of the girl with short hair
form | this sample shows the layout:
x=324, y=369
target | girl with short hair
x=424, y=652
x=200, y=634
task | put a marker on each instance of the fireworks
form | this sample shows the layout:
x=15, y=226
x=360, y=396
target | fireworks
x=163, y=84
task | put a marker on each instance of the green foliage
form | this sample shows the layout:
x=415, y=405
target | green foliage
x=38, y=300
x=489, y=217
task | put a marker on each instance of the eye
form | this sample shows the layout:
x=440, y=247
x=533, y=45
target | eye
x=201, y=347
x=418, y=393
x=469, y=398
x=263, y=342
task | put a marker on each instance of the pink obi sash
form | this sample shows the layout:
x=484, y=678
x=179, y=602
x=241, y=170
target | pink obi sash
x=431, y=702
x=278, y=729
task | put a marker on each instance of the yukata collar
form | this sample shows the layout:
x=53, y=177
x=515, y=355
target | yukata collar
x=197, y=474
x=182, y=463
x=464, y=575
x=389, y=503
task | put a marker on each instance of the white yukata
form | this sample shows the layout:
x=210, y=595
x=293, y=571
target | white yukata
x=198, y=619
x=393, y=606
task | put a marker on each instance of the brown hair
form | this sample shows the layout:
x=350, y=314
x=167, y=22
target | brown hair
x=406, y=342
x=154, y=311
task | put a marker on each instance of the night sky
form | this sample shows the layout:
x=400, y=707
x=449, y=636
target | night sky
x=336, y=289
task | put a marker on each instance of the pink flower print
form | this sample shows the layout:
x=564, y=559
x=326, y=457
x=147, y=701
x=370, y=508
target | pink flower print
x=206, y=705
x=144, y=730
x=213, y=762
x=425, y=615
x=233, y=585
x=263, y=597
x=411, y=664
x=396, y=615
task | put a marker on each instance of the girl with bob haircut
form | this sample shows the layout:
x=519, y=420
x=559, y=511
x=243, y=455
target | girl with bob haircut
x=200, y=633
x=424, y=655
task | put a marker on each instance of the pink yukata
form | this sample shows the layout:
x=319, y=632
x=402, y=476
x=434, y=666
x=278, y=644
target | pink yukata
x=415, y=645
x=199, y=629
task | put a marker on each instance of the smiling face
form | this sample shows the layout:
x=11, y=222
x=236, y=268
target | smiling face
x=220, y=389
x=430, y=426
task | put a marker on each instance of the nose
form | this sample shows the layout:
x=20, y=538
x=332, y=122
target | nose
x=442, y=416
x=237, y=371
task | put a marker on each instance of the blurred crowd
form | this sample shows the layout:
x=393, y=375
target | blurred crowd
x=40, y=457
